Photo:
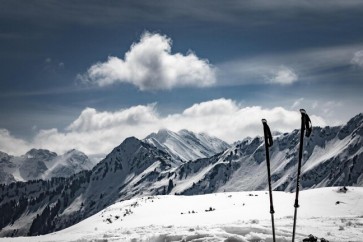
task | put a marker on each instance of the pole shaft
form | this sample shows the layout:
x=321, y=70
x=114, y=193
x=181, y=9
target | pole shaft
x=293, y=232
x=269, y=186
x=273, y=227
x=296, y=205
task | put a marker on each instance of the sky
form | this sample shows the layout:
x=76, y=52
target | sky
x=87, y=74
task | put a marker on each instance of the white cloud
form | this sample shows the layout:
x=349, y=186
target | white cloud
x=284, y=76
x=12, y=145
x=311, y=65
x=358, y=58
x=96, y=132
x=211, y=108
x=149, y=65
x=91, y=120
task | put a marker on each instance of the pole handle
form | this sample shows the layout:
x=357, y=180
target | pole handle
x=267, y=133
x=306, y=122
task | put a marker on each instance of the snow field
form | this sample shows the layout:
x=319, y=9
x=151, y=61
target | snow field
x=236, y=216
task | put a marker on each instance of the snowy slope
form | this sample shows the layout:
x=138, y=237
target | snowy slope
x=241, y=216
x=42, y=164
x=186, y=145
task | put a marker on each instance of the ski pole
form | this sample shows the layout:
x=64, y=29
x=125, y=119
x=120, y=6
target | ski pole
x=268, y=143
x=307, y=128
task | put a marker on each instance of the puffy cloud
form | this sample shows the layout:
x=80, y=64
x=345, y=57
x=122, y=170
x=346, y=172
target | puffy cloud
x=12, y=145
x=91, y=120
x=210, y=108
x=358, y=58
x=149, y=65
x=284, y=76
x=95, y=132
x=235, y=122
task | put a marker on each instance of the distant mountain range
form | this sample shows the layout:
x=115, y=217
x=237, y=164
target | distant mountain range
x=163, y=164
x=42, y=164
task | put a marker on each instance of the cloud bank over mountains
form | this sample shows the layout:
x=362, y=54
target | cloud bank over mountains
x=150, y=65
x=95, y=132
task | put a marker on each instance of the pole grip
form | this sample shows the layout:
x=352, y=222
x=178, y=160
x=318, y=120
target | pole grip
x=267, y=133
x=306, y=123
x=296, y=205
x=272, y=211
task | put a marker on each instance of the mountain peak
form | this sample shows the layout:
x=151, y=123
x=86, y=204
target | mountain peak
x=186, y=145
x=79, y=156
x=165, y=132
x=4, y=156
x=74, y=152
x=162, y=135
x=40, y=154
x=185, y=131
x=356, y=120
x=71, y=151
x=131, y=140
x=130, y=144
x=353, y=124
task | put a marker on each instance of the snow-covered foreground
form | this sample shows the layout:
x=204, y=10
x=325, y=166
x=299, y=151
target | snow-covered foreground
x=239, y=216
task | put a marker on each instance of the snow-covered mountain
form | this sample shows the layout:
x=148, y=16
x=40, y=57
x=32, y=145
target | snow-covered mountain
x=332, y=157
x=41, y=164
x=131, y=169
x=185, y=145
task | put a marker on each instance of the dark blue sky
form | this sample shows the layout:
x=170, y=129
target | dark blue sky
x=44, y=45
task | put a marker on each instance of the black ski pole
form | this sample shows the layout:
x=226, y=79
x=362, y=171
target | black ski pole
x=268, y=143
x=306, y=128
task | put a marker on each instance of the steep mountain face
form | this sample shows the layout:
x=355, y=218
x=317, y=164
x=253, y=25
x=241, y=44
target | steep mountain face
x=332, y=157
x=130, y=169
x=5, y=165
x=41, y=164
x=185, y=145
x=38, y=207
